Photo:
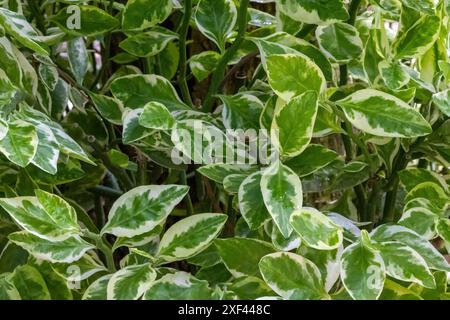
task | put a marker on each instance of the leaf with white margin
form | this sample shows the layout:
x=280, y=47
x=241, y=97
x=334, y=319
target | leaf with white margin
x=132, y=130
x=282, y=243
x=328, y=262
x=216, y=20
x=419, y=38
x=147, y=44
x=7, y=290
x=47, y=153
x=431, y=191
x=442, y=100
x=250, y=288
x=131, y=282
x=408, y=237
x=316, y=229
x=313, y=158
x=178, y=286
x=190, y=236
x=232, y=182
x=411, y=177
x=136, y=90
x=252, y=249
x=241, y=111
x=314, y=12
x=143, y=208
x=97, y=289
x=78, y=58
x=3, y=128
x=219, y=171
x=362, y=270
x=384, y=115
x=293, y=74
x=48, y=217
x=139, y=240
x=142, y=14
x=291, y=276
x=251, y=203
x=443, y=229
x=282, y=194
x=82, y=269
x=405, y=264
x=293, y=124
x=420, y=219
x=156, y=116
x=203, y=64
x=20, y=143
x=18, y=26
x=49, y=75
x=340, y=41
x=26, y=277
x=67, y=251
x=68, y=145
x=393, y=74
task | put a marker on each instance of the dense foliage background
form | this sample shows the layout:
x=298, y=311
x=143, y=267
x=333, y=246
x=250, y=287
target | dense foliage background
x=94, y=96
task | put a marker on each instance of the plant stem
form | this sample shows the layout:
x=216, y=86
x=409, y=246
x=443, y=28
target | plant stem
x=104, y=247
x=187, y=199
x=182, y=82
x=229, y=54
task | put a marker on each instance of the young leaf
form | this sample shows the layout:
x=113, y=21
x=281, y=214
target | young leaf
x=381, y=114
x=362, y=271
x=190, y=236
x=156, y=116
x=20, y=143
x=216, y=19
x=293, y=74
x=303, y=282
x=131, y=282
x=293, y=124
x=282, y=194
x=316, y=230
x=143, y=208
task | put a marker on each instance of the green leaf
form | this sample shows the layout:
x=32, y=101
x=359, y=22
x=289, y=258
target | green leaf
x=241, y=111
x=416, y=216
x=219, y=171
x=49, y=75
x=232, y=182
x=97, y=289
x=282, y=193
x=20, y=143
x=314, y=12
x=132, y=130
x=412, y=177
x=156, y=116
x=9, y=62
x=85, y=21
x=148, y=43
x=67, y=251
x=250, y=288
x=293, y=74
x=142, y=14
x=16, y=25
x=216, y=20
x=384, y=115
x=411, y=239
x=292, y=276
x=362, y=271
x=252, y=249
x=143, y=208
x=78, y=58
x=424, y=6
x=110, y=108
x=7, y=290
x=312, y=159
x=29, y=283
x=419, y=38
x=131, y=282
x=340, y=41
x=429, y=190
x=251, y=203
x=46, y=215
x=405, y=264
x=316, y=230
x=293, y=124
x=442, y=101
x=135, y=91
x=190, y=236
x=178, y=286
x=443, y=229
x=203, y=64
